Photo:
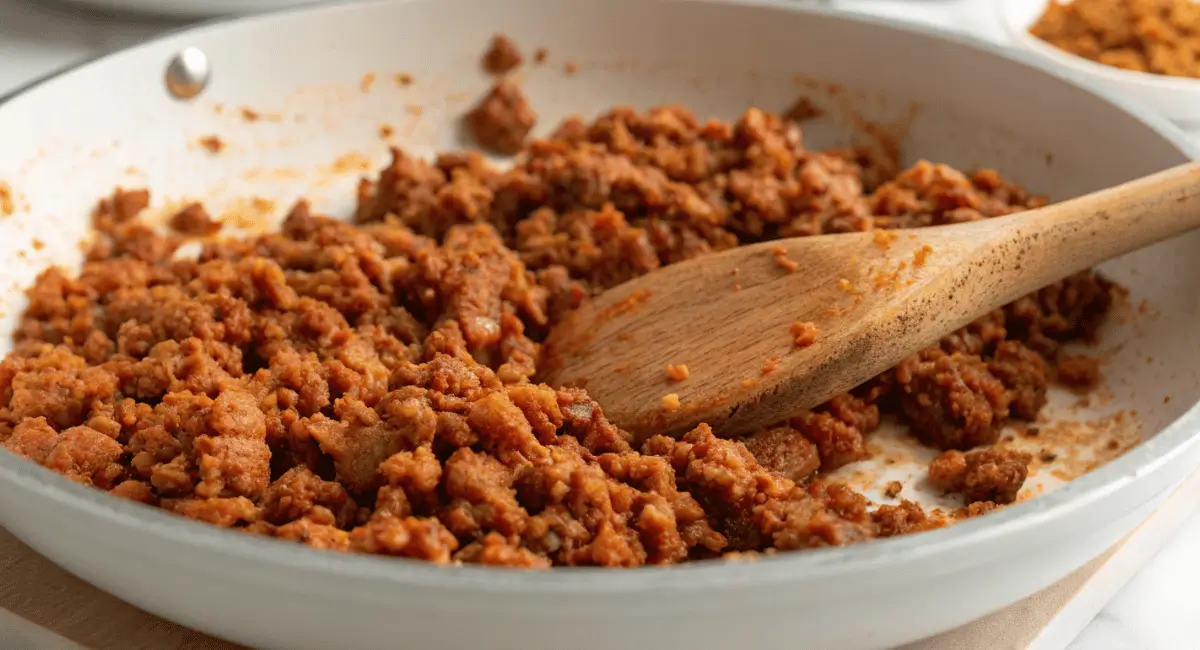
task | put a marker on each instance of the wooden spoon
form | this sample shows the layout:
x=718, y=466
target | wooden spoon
x=735, y=318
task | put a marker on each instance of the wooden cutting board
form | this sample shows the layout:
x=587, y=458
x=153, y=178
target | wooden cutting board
x=43, y=607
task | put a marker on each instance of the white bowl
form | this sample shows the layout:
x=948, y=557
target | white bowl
x=71, y=138
x=1175, y=97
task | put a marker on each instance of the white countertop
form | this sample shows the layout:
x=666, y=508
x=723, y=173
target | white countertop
x=1156, y=610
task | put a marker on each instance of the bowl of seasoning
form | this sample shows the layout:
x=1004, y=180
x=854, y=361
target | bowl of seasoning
x=1146, y=51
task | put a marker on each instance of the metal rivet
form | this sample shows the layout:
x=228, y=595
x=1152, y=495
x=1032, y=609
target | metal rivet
x=188, y=73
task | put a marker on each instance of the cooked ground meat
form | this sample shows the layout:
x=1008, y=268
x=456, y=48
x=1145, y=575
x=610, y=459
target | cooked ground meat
x=195, y=220
x=804, y=334
x=372, y=387
x=1023, y=373
x=1070, y=310
x=502, y=119
x=990, y=474
x=1078, y=372
x=952, y=401
x=502, y=55
x=784, y=451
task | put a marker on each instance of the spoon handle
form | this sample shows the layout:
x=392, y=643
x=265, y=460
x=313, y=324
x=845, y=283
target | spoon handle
x=1030, y=250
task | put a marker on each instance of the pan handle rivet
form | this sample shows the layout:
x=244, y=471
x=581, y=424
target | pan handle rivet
x=188, y=73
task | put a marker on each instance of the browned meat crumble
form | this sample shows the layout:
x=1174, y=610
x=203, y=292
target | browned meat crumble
x=194, y=220
x=989, y=474
x=502, y=119
x=502, y=55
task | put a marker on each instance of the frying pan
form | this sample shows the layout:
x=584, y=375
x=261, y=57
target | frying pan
x=299, y=99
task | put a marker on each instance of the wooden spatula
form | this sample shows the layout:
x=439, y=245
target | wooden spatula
x=769, y=329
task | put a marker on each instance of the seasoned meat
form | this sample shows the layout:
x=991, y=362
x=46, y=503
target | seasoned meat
x=372, y=387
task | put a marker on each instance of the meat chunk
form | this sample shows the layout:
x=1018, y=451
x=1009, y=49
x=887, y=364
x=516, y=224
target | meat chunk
x=837, y=442
x=1078, y=372
x=502, y=119
x=195, y=220
x=784, y=451
x=953, y=401
x=502, y=55
x=1023, y=373
x=990, y=474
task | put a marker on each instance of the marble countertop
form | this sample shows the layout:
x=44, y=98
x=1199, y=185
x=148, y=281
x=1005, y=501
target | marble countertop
x=1154, y=611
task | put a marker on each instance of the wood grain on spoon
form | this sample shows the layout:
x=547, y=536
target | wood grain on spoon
x=738, y=319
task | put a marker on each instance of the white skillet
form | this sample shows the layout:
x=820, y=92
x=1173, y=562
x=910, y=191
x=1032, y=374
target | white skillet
x=322, y=81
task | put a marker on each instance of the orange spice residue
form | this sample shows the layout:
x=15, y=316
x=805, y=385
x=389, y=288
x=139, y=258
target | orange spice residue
x=212, y=144
x=540, y=55
x=350, y=162
x=413, y=110
x=782, y=259
x=367, y=81
x=6, y=200
x=920, y=255
x=249, y=214
x=403, y=79
x=570, y=68
x=770, y=364
x=37, y=244
x=804, y=333
x=280, y=173
x=386, y=131
x=250, y=115
x=678, y=372
x=884, y=238
x=884, y=280
x=626, y=304
x=670, y=402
